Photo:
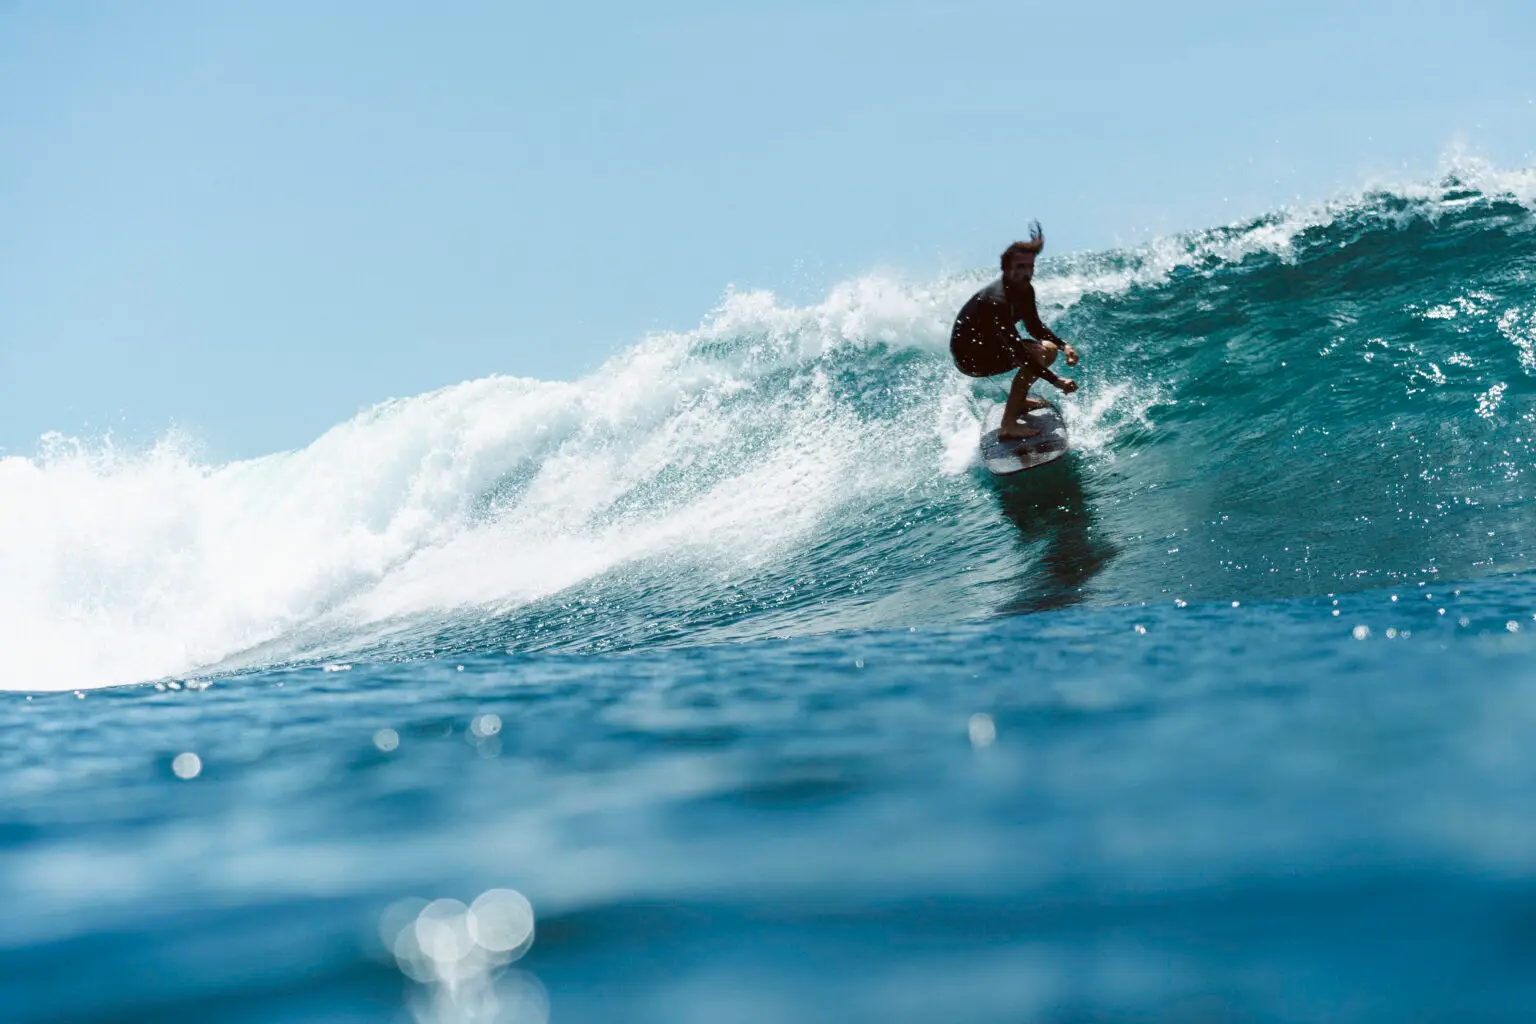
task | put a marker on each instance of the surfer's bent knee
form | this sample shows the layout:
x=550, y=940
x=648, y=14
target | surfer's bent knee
x=1048, y=350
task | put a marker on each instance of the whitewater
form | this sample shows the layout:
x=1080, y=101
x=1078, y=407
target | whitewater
x=1325, y=398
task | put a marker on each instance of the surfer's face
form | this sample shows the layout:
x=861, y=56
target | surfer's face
x=1020, y=270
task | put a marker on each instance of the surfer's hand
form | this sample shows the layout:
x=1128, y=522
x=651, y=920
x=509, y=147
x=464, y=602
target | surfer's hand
x=1070, y=353
x=1066, y=385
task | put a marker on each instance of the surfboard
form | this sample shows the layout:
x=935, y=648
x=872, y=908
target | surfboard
x=1005, y=457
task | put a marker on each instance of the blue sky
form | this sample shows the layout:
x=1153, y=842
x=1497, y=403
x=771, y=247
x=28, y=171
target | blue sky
x=250, y=220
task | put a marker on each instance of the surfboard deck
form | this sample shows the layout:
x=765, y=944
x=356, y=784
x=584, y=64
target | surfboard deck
x=1003, y=458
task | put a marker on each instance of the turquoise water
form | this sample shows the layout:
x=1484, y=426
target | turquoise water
x=771, y=705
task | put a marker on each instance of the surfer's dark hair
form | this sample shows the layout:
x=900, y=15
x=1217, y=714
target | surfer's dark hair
x=1031, y=248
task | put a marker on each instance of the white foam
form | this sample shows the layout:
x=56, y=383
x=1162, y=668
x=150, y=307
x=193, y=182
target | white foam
x=116, y=567
x=1099, y=415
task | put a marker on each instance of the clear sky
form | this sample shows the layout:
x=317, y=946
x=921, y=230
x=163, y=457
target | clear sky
x=251, y=219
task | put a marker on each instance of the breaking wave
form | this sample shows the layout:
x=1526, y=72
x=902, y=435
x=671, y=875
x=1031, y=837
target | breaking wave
x=1320, y=399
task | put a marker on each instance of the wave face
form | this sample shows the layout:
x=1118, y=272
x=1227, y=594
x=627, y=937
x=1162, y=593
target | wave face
x=1314, y=401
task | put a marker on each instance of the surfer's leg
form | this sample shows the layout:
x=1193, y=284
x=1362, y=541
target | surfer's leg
x=1019, y=401
x=1047, y=354
x=1016, y=406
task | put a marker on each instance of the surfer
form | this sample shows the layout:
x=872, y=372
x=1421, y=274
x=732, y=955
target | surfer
x=986, y=339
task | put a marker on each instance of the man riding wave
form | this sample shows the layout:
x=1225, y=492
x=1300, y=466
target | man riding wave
x=986, y=339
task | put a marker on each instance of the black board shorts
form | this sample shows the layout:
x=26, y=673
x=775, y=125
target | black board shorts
x=977, y=356
x=981, y=350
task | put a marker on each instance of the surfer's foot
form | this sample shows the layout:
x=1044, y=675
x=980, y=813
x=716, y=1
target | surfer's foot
x=1017, y=433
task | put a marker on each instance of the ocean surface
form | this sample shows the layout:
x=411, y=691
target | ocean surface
x=725, y=686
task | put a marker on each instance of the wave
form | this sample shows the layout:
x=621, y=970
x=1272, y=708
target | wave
x=1323, y=398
